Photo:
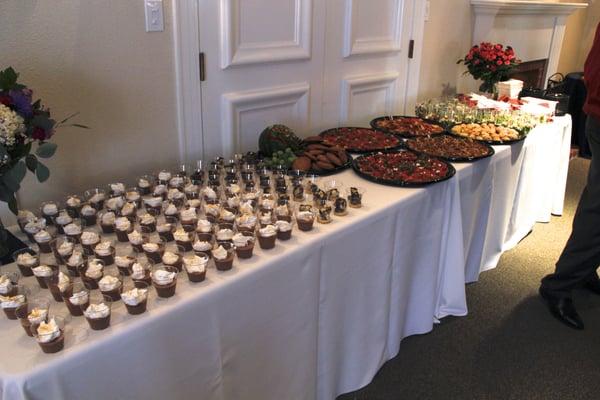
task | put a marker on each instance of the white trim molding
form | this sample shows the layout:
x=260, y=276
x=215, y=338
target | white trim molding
x=235, y=52
x=368, y=83
x=354, y=45
x=189, y=95
x=236, y=103
x=524, y=7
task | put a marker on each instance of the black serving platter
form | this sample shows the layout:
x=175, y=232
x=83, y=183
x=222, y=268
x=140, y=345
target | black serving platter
x=405, y=134
x=400, y=183
x=491, y=142
x=490, y=152
x=363, y=151
x=334, y=171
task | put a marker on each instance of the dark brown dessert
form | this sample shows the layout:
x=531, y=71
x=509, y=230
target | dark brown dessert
x=167, y=290
x=99, y=324
x=138, y=308
x=225, y=264
x=55, y=345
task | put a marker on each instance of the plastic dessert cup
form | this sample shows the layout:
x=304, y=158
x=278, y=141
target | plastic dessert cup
x=42, y=280
x=245, y=252
x=114, y=293
x=40, y=306
x=166, y=289
x=226, y=263
x=89, y=281
x=197, y=276
x=19, y=299
x=135, y=307
x=266, y=242
x=51, y=345
x=76, y=298
x=25, y=269
x=98, y=312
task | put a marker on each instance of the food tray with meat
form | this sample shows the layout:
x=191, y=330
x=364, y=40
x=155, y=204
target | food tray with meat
x=360, y=140
x=451, y=148
x=406, y=126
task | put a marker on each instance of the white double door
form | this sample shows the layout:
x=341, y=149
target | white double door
x=308, y=64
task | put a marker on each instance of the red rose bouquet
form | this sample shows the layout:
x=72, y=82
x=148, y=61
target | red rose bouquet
x=491, y=63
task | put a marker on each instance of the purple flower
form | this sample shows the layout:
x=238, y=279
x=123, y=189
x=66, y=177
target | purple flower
x=21, y=102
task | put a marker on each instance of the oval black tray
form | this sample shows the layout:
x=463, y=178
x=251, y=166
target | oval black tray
x=334, y=171
x=406, y=135
x=490, y=153
x=362, y=151
x=491, y=142
x=400, y=183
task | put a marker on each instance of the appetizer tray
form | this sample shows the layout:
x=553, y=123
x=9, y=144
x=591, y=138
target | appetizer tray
x=407, y=126
x=451, y=148
x=360, y=140
x=488, y=133
x=403, y=168
x=328, y=172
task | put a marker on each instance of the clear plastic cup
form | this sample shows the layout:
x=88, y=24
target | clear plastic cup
x=98, y=312
x=135, y=297
x=164, y=280
x=52, y=342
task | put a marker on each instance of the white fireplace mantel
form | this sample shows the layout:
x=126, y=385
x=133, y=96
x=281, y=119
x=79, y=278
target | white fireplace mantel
x=535, y=29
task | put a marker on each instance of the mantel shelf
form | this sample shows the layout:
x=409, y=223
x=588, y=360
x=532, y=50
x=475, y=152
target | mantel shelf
x=523, y=7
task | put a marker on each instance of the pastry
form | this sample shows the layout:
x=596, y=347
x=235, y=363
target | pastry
x=160, y=191
x=266, y=237
x=164, y=177
x=24, y=217
x=324, y=214
x=265, y=219
x=195, y=267
x=283, y=213
x=192, y=191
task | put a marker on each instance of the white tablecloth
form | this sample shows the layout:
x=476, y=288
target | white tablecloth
x=313, y=318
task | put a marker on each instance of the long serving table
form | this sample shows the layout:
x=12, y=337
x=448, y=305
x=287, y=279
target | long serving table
x=318, y=315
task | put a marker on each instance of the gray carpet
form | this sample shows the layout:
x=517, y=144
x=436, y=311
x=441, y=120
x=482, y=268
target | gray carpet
x=508, y=347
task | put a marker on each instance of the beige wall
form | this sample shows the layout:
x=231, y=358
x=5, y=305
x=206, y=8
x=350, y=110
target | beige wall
x=95, y=57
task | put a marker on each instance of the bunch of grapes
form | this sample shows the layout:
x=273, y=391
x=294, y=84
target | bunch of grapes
x=285, y=158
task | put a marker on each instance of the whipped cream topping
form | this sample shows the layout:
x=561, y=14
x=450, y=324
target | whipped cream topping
x=171, y=209
x=128, y=209
x=76, y=259
x=135, y=237
x=233, y=202
x=143, y=183
x=37, y=315
x=164, y=176
x=117, y=188
x=79, y=298
x=134, y=296
x=240, y=240
x=25, y=215
x=34, y=226
x=268, y=204
x=63, y=218
x=226, y=215
x=63, y=281
x=175, y=194
x=150, y=247
x=204, y=226
x=266, y=218
x=88, y=211
x=50, y=209
x=159, y=190
x=234, y=188
x=5, y=285
x=72, y=229
x=220, y=253
x=132, y=195
x=124, y=261
x=47, y=332
x=97, y=198
x=108, y=283
x=191, y=188
x=138, y=271
x=89, y=238
x=209, y=193
x=43, y=271
x=170, y=258
x=96, y=311
x=94, y=269
x=249, y=196
x=166, y=227
x=65, y=248
x=200, y=245
x=42, y=236
x=104, y=248
x=212, y=209
x=114, y=203
x=147, y=219
x=163, y=277
x=224, y=234
x=73, y=201
x=108, y=218
x=26, y=259
x=188, y=214
x=195, y=264
x=181, y=235
x=247, y=221
x=12, y=301
x=283, y=226
x=122, y=224
x=194, y=203
x=153, y=201
x=267, y=231
x=283, y=211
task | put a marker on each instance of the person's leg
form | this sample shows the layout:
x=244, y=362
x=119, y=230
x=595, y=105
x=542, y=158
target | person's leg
x=581, y=255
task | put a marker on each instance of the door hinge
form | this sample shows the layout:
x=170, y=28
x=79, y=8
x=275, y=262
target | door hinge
x=202, y=67
x=411, y=48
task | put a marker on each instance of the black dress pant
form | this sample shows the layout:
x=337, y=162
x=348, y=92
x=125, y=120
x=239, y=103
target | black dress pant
x=581, y=255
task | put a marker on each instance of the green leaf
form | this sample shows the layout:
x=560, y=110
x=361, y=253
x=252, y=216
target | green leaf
x=14, y=176
x=12, y=205
x=8, y=78
x=42, y=172
x=31, y=162
x=46, y=150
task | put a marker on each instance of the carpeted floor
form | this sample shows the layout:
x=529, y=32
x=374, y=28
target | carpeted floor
x=508, y=347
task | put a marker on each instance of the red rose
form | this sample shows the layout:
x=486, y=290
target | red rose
x=5, y=100
x=38, y=133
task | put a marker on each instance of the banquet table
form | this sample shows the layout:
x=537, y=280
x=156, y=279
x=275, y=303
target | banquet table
x=318, y=315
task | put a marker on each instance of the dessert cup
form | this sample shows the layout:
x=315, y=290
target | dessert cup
x=75, y=262
x=354, y=195
x=49, y=210
x=26, y=259
x=173, y=257
x=124, y=259
x=154, y=251
x=73, y=231
x=145, y=184
x=141, y=274
x=57, y=282
x=73, y=205
x=95, y=198
x=76, y=298
x=266, y=237
x=195, y=266
x=98, y=312
x=10, y=304
x=91, y=273
x=284, y=229
x=33, y=313
x=111, y=284
x=165, y=231
x=305, y=217
x=184, y=239
x=61, y=220
x=89, y=240
x=51, y=335
x=105, y=251
x=89, y=215
x=135, y=297
x=223, y=257
x=107, y=221
x=147, y=223
x=133, y=195
x=244, y=250
x=123, y=227
x=43, y=239
x=8, y=283
x=44, y=271
x=164, y=280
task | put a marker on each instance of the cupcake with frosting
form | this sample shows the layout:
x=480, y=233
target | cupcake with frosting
x=265, y=218
x=89, y=240
x=283, y=213
x=34, y=226
x=212, y=211
x=24, y=217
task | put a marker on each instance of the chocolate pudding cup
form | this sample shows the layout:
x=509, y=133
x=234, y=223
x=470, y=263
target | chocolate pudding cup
x=89, y=220
x=42, y=280
x=10, y=312
x=227, y=263
x=101, y=323
x=122, y=235
x=26, y=269
x=266, y=242
x=245, y=252
x=107, y=259
x=165, y=290
x=139, y=308
x=113, y=294
x=167, y=236
x=90, y=283
x=22, y=313
x=76, y=310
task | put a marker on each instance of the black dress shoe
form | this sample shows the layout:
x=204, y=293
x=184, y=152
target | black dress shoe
x=562, y=309
x=593, y=285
